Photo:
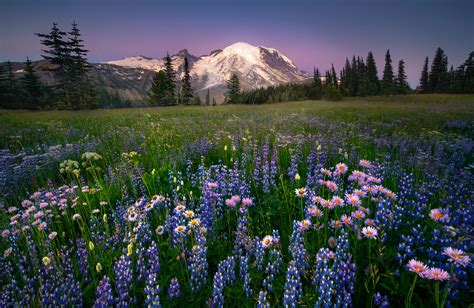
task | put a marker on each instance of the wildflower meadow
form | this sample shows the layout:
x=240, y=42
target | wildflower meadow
x=365, y=202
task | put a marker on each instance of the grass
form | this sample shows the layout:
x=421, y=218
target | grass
x=420, y=142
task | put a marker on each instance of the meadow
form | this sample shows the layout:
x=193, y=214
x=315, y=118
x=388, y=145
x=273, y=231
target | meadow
x=363, y=202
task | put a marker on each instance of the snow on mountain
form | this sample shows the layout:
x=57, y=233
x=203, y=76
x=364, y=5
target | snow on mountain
x=256, y=66
x=155, y=64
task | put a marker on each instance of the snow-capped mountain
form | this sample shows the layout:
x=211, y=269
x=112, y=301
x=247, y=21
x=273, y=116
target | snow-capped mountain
x=156, y=64
x=256, y=66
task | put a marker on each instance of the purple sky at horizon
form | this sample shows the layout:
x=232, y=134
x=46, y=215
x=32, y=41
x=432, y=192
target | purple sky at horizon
x=311, y=33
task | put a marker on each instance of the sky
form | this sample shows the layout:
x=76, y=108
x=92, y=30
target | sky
x=311, y=33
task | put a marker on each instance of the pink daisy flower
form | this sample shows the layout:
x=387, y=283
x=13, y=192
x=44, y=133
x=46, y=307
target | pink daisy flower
x=435, y=273
x=438, y=215
x=341, y=168
x=267, y=241
x=247, y=201
x=369, y=232
x=417, y=267
x=457, y=256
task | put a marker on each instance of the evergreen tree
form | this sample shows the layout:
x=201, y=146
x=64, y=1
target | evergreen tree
x=233, y=89
x=354, y=77
x=318, y=85
x=334, y=76
x=468, y=75
x=346, y=82
x=8, y=86
x=159, y=93
x=439, y=71
x=208, y=98
x=373, y=83
x=401, y=81
x=186, y=90
x=424, y=79
x=79, y=89
x=57, y=53
x=362, y=78
x=170, y=81
x=214, y=102
x=388, y=78
x=32, y=89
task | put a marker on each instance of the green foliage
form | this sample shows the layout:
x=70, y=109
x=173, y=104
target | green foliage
x=401, y=80
x=160, y=93
x=331, y=93
x=233, y=90
x=424, y=79
x=65, y=52
x=388, y=85
x=186, y=90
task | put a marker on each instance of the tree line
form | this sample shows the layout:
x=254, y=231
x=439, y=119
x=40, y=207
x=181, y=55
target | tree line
x=359, y=77
x=71, y=87
x=168, y=90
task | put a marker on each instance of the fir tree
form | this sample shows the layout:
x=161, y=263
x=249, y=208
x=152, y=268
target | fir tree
x=354, y=77
x=80, y=91
x=208, y=98
x=439, y=72
x=170, y=81
x=373, y=83
x=401, y=81
x=362, y=77
x=9, y=88
x=334, y=76
x=468, y=75
x=159, y=92
x=214, y=102
x=424, y=79
x=32, y=89
x=388, y=78
x=318, y=85
x=57, y=53
x=233, y=89
x=186, y=90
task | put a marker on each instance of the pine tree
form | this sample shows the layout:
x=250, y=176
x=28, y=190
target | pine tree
x=8, y=86
x=334, y=76
x=57, y=53
x=439, y=71
x=373, y=83
x=424, y=79
x=233, y=89
x=354, y=77
x=208, y=98
x=186, y=90
x=468, y=75
x=362, y=70
x=80, y=91
x=159, y=92
x=214, y=102
x=388, y=78
x=31, y=86
x=170, y=81
x=346, y=79
x=318, y=85
x=401, y=81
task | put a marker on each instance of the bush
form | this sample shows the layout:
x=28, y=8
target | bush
x=330, y=93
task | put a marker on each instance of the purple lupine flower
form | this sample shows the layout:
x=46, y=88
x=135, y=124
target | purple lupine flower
x=245, y=275
x=197, y=262
x=293, y=288
x=123, y=280
x=104, y=296
x=262, y=301
x=152, y=291
x=174, y=290
x=218, y=290
x=297, y=248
